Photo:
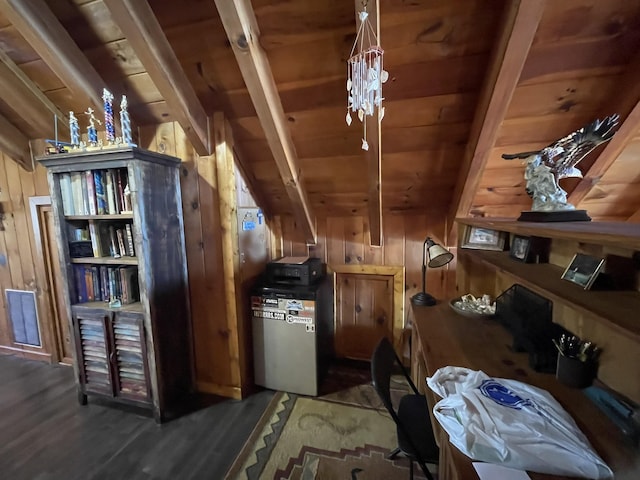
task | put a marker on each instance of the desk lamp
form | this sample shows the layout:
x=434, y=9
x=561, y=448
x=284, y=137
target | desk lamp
x=438, y=257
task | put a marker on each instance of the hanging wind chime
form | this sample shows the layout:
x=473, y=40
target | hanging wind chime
x=365, y=75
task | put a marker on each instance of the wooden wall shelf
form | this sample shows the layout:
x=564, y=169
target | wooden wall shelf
x=616, y=234
x=606, y=317
x=618, y=309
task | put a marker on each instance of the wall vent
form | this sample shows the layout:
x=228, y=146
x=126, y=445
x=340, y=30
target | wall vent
x=23, y=316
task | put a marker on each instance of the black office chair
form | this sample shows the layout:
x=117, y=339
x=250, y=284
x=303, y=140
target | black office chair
x=415, y=435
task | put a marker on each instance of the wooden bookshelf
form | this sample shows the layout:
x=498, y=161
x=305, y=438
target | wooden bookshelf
x=139, y=353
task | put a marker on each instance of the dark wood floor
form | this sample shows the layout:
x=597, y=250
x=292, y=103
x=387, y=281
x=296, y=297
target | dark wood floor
x=46, y=435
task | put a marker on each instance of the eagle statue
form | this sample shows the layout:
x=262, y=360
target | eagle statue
x=547, y=166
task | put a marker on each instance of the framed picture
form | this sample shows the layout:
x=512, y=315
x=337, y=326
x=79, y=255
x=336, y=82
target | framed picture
x=583, y=270
x=520, y=247
x=483, y=239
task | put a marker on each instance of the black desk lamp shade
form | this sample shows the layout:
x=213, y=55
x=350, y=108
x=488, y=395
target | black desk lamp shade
x=438, y=257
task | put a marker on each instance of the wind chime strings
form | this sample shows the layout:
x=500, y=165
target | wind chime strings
x=366, y=74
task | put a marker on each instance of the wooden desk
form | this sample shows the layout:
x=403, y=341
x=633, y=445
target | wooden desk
x=442, y=337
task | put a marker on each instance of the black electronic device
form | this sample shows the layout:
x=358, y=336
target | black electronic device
x=295, y=271
x=80, y=248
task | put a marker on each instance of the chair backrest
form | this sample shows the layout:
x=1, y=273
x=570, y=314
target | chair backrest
x=383, y=362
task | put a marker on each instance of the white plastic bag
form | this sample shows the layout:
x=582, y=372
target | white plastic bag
x=512, y=423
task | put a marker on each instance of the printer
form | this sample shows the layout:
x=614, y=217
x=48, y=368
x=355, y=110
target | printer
x=302, y=271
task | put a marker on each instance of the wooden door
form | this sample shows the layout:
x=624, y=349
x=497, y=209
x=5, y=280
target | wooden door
x=364, y=313
x=93, y=351
x=129, y=357
x=64, y=350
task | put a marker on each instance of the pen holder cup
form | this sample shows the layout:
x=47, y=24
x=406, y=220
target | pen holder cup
x=574, y=373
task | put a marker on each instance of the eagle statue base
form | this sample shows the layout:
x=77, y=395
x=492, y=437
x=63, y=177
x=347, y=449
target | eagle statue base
x=558, y=216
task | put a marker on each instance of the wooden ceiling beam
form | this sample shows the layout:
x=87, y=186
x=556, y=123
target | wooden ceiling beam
x=145, y=35
x=628, y=107
x=374, y=139
x=15, y=144
x=39, y=26
x=23, y=96
x=519, y=27
x=242, y=30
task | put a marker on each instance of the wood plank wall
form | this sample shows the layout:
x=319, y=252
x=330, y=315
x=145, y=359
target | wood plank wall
x=345, y=241
x=220, y=362
x=18, y=266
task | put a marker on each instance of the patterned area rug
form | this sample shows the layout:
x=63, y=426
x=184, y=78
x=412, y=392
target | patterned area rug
x=344, y=433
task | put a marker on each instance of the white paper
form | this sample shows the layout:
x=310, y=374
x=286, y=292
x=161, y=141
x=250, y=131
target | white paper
x=491, y=471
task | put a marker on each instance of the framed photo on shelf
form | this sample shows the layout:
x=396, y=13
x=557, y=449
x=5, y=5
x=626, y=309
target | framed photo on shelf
x=483, y=239
x=520, y=247
x=583, y=270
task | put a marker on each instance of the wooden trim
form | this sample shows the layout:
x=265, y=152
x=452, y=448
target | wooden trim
x=145, y=35
x=518, y=30
x=222, y=390
x=230, y=247
x=40, y=27
x=43, y=293
x=242, y=30
x=398, y=292
x=30, y=354
x=276, y=247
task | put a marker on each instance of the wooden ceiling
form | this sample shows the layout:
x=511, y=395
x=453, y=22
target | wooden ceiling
x=469, y=80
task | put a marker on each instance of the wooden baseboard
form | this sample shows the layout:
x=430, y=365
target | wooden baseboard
x=30, y=354
x=222, y=390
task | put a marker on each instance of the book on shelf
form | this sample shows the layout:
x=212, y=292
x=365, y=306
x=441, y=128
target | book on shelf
x=131, y=251
x=66, y=194
x=121, y=248
x=85, y=194
x=104, y=283
x=120, y=173
x=76, y=192
x=95, y=192
x=129, y=284
x=80, y=283
x=110, y=192
x=109, y=239
x=96, y=243
x=91, y=192
x=114, y=250
x=101, y=200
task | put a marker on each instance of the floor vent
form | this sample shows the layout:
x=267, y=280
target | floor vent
x=23, y=316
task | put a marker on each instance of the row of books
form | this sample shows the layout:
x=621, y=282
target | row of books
x=107, y=240
x=96, y=192
x=106, y=283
